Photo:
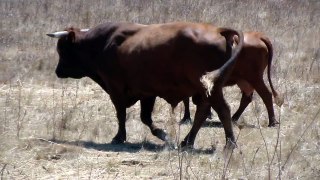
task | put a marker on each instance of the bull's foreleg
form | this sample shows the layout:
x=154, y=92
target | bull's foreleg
x=245, y=101
x=121, y=135
x=221, y=107
x=200, y=117
x=147, y=105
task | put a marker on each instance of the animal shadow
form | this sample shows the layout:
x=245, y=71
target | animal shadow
x=210, y=123
x=131, y=147
x=218, y=124
x=125, y=147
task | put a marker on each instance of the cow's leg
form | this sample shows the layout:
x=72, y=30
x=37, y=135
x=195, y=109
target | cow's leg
x=221, y=107
x=200, y=117
x=186, y=117
x=121, y=115
x=245, y=101
x=147, y=105
x=266, y=96
x=247, y=92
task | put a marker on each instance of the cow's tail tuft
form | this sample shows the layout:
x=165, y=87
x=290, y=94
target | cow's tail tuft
x=279, y=99
x=223, y=73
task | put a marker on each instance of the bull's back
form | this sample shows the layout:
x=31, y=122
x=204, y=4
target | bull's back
x=171, y=57
x=167, y=45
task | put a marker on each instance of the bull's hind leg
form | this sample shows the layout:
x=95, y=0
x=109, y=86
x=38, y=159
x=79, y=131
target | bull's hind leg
x=221, y=107
x=266, y=96
x=200, y=117
x=147, y=105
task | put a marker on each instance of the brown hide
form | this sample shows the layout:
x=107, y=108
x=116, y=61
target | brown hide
x=168, y=62
x=139, y=62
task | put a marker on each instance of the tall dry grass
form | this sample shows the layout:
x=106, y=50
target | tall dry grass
x=51, y=128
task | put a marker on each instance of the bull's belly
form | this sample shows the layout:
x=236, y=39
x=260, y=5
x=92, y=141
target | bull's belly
x=172, y=93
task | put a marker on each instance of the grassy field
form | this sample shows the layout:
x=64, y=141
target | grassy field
x=61, y=129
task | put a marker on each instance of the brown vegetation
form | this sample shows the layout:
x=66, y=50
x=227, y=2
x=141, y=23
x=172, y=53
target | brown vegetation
x=61, y=129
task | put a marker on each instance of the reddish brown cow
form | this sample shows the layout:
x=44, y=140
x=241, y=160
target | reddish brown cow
x=134, y=62
x=255, y=56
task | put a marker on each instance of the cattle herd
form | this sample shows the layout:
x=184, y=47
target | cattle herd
x=173, y=61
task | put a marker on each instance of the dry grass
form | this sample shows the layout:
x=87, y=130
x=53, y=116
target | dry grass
x=61, y=129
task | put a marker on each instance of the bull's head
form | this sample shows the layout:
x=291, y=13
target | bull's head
x=70, y=59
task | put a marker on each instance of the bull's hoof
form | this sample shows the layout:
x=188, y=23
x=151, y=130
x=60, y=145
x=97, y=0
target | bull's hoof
x=185, y=121
x=230, y=145
x=186, y=146
x=235, y=122
x=273, y=124
x=235, y=119
x=161, y=134
x=117, y=141
x=170, y=145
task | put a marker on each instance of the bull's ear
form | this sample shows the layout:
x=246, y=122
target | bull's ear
x=71, y=36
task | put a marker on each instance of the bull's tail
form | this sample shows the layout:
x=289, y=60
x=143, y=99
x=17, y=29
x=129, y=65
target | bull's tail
x=278, y=98
x=223, y=73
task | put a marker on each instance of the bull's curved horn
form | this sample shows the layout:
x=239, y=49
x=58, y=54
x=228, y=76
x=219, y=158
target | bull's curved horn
x=58, y=34
x=84, y=30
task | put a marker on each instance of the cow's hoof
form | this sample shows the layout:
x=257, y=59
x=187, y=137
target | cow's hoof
x=273, y=124
x=117, y=141
x=185, y=121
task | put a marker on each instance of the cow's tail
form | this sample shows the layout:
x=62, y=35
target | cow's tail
x=278, y=98
x=223, y=73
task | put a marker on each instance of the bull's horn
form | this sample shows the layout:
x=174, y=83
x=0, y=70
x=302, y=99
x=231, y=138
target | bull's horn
x=58, y=34
x=84, y=30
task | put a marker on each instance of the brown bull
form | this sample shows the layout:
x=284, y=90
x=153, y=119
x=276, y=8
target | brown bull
x=134, y=62
x=254, y=57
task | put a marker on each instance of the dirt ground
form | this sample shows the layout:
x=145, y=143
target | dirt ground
x=80, y=147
